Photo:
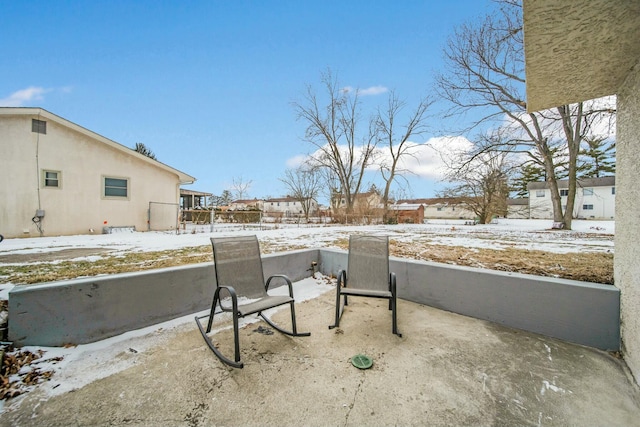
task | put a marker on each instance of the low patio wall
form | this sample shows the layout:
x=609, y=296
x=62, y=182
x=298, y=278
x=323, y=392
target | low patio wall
x=86, y=310
x=579, y=312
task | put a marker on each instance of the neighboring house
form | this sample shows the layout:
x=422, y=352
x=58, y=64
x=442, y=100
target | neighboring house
x=60, y=179
x=408, y=213
x=369, y=203
x=442, y=208
x=605, y=60
x=595, y=198
x=288, y=207
x=518, y=208
x=244, y=204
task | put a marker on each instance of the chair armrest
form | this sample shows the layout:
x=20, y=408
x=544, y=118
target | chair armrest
x=392, y=283
x=342, y=279
x=280, y=276
x=232, y=294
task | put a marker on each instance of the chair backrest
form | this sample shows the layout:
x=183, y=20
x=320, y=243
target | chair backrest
x=237, y=263
x=368, y=265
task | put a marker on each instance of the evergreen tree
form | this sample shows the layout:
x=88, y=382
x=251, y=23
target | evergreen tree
x=597, y=158
x=530, y=172
x=142, y=149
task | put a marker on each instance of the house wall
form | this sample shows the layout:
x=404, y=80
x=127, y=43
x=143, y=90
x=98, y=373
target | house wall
x=77, y=205
x=602, y=200
x=447, y=212
x=288, y=207
x=626, y=265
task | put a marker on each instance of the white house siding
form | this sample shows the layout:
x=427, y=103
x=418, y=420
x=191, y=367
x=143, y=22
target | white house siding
x=447, y=212
x=78, y=205
x=288, y=207
x=595, y=199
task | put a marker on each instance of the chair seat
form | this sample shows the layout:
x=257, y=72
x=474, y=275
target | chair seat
x=366, y=293
x=263, y=304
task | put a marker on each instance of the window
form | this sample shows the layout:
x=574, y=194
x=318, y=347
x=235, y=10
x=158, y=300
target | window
x=38, y=126
x=564, y=193
x=587, y=191
x=439, y=209
x=51, y=179
x=613, y=190
x=539, y=193
x=587, y=207
x=116, y=187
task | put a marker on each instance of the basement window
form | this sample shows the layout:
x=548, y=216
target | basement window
x=115, y=188
x=38, y=126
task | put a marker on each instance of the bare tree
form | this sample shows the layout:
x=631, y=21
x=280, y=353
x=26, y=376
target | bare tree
x=480, y=182
x=240, y=187
x=335, y=131
x=304, y=184
x=142, y=149
x=485, y=77
x=396, y=137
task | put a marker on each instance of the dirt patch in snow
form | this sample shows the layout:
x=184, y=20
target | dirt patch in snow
x=62, y=254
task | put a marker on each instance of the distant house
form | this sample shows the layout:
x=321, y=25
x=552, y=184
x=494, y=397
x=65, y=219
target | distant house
x=60, y=179
x=595, y=198
x=287, y=207
x=369, y=203
x=244, y=204
x=408, y=213
x=442, y=208
x=518, y=208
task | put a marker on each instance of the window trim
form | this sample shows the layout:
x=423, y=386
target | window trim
x=114, y=197
x=43, y=179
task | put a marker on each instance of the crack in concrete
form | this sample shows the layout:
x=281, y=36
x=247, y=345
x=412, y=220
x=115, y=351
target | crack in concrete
x=353, y=401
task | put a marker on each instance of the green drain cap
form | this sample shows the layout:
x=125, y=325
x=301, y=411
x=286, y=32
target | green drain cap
x=361, y=361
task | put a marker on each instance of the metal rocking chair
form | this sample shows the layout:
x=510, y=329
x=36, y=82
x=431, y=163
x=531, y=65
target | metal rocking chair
x=239, y=276
x=368, y=275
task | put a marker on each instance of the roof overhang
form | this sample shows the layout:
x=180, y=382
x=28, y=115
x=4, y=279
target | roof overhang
x=577, y=50
x=42, y=113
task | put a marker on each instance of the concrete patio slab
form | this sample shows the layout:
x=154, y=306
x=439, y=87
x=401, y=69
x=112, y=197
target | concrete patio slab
x=446, y=370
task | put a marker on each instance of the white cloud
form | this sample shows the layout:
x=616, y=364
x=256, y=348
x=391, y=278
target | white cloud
x=425, y=161
x=24, y=96
x=296, y=161
x=373, y=90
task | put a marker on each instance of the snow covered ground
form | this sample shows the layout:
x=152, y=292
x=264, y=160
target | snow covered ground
x=533, y=234
x=84, y=364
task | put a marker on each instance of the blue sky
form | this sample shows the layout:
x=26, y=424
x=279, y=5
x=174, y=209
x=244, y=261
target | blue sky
x=208, y=86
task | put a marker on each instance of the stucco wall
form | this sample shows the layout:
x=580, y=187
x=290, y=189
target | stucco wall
x=626, y=265
x=77, y=206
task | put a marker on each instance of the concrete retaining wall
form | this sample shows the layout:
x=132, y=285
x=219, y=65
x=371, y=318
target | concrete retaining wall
x=86, y=310
x=579, y=312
